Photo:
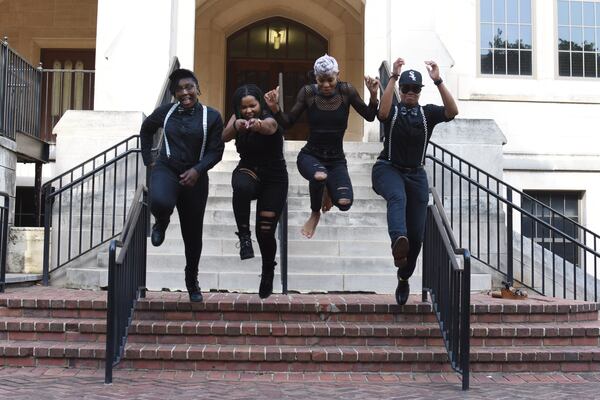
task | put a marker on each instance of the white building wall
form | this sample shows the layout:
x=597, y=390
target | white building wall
x=543, y=115
x=135, y=42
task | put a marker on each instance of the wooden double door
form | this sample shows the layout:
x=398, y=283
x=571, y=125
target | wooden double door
x=265, y=74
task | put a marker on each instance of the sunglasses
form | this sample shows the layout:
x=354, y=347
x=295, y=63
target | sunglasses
x=416, y=89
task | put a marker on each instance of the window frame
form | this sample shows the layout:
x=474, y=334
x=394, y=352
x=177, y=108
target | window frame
x=556, y=51
x=478, y=47
x=539, y=240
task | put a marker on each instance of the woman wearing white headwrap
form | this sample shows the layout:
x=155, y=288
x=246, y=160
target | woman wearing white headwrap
x=322, y=161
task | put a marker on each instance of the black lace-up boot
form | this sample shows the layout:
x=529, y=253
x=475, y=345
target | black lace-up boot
x=246, y=250
x=191, y=282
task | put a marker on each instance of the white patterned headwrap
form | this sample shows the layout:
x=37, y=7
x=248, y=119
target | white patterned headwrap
x=326, y=65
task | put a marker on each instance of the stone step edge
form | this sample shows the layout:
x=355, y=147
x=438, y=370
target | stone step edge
x=298, y=329
x=299, y=353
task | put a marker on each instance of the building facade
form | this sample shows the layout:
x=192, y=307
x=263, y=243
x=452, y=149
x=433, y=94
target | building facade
x=532, y=66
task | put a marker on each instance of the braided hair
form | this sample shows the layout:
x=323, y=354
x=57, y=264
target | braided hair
x=249, y=89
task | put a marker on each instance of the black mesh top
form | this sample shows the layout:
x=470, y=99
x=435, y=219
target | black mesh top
x=327, y=116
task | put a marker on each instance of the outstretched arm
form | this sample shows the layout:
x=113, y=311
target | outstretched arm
x=286, y=120
x=450, y=107
x=368, y=112
x=386, y=99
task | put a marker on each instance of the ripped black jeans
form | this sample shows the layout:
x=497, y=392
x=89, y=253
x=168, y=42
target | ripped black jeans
x=268, y=184
x=337, y=182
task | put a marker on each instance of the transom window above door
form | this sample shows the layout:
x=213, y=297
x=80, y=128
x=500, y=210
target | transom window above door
x=276, y=38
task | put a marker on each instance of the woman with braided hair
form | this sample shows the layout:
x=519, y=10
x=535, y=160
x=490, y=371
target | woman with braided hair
x=261, y=174
x=322, y=161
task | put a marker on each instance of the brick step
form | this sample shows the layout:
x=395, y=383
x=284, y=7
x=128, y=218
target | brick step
x=298, y=307
x=294, y=333
x=292, y=358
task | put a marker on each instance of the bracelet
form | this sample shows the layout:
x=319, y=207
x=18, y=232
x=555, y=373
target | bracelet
x=438, y=82
x=394, y=76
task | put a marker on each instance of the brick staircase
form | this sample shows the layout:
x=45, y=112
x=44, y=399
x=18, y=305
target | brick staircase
x=296, y=333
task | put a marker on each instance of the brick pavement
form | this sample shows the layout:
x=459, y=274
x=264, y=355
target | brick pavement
x=65, y=384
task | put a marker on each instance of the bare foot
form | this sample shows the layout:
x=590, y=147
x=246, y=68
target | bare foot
x=308, y=230
x=326, y=204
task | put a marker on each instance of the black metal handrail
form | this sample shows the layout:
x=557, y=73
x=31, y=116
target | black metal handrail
x=492, y=226
x=126, y=279
x=90, y=209
x=20, y=94
x=4, y=208
x=560, y=221
x=449, y=286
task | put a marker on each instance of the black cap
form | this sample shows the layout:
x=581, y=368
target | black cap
x=411, y=77
x=179, y=74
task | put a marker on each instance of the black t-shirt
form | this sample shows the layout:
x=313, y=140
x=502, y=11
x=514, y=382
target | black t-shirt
x=409, y=136
x=257, y=149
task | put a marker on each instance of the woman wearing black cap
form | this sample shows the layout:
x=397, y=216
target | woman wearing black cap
x=261, y=175
x=322, y=161
x=398, y=175
x=191, y=146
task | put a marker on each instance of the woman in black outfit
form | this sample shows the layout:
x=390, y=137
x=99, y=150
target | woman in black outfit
x=322, y=161
x=191, y=146
x=398, y=175
x=261, y=175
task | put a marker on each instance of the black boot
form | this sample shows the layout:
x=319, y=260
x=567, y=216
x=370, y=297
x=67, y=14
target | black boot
x=402, y=291
x=158, y=232
x=246, y=250
x=191, y=282
x=266, y=280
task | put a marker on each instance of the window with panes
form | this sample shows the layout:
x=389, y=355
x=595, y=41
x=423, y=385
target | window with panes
x=565, y=203
x=505, y=32
x=578, y=24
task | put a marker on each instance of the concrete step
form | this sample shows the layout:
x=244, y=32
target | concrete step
x=247, y=281
x=230, y=246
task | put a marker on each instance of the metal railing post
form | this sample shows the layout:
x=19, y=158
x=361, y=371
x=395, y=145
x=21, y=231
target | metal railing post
x=509, y=238
x=47, y=231
x=4, y=213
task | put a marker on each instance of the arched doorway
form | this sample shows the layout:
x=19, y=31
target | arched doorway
x=259, y=52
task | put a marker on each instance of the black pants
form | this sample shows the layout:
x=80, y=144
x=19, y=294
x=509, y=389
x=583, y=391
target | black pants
x=166, y=193
x=268, y=185
x=338, y=181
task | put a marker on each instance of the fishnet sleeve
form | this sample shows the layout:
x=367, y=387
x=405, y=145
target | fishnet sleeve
x=286, y=120
x=368, y=112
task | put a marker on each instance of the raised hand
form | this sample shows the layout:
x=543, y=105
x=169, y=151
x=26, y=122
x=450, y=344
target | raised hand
x=272, y=99
x=373, y=85
x=433, y=70
x=397, y=67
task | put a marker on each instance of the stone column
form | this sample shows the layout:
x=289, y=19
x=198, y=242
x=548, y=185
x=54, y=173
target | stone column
x=134, y=45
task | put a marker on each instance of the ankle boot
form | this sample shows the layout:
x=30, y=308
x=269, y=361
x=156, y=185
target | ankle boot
x=246, y=250
x=266, y=280
x=402, y=290
x=191, y=283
